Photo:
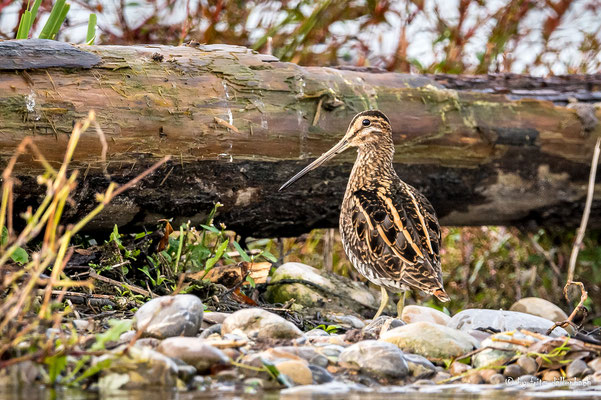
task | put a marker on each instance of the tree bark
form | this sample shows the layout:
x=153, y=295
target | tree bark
x=502, y=149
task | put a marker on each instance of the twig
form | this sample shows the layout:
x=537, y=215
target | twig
x=580, y=306
x=113, y=282
x=226, y=124
x=317, y=112
x=578, y=243
x=138, y=178
x=585, y=216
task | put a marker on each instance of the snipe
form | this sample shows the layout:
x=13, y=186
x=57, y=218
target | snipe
x=389, y=230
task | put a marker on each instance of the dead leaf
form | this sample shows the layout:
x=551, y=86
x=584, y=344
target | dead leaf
x=165, y=239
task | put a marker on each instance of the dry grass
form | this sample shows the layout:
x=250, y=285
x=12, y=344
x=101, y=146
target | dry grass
x=29, y=305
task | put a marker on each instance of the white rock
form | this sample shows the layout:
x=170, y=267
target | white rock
x=168, y=316
x=431, y=340
x=428, y=314
x=256, y=322
x=502, y=321
x=378, y=358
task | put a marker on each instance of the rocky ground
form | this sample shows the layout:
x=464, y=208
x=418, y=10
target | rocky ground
x=175, y=342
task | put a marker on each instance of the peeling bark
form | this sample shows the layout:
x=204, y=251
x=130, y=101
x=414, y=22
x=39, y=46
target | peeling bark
x=485, y=150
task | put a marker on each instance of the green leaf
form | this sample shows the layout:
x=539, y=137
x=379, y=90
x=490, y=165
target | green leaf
x=56, y=365
x=213, y=260
x=275, y=373
x=34, y=13
x=116, y=237
x=117, y=327
x=61, y=18
x=20, y=256
x=141, y=235
x=93, y=370
x=24, y=24
x=4, y=236
x=269, y=256
x=251, y=281
x=239, y=249
x=210, y=228
x=55, y=14
x=91, y=35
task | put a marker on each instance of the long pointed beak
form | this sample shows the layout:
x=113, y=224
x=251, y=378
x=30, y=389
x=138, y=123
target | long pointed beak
x=337, y=149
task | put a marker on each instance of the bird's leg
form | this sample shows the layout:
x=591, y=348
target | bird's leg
x=401, y=304
x=383, y=302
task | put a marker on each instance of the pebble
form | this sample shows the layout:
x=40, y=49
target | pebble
x=83, y=324
x=258, y=323
x=413, y=314
x=514, y=371
x=320, y=375
x=298, y=371
x=381, y=359
x=339, y=295
x=381, y=325
x=474, y=379
x=487, y=374
x=331, y=351
x=419, y=366
x=186, y=372
x=502, y=321
x=127, y=336
x=22, y=374
x=594, y=378
x=441, y=376
x=307, y=353
x=528, y=364
x=136, y=368
x=213, y=329
x=497, y=379
x=193, y=351
x=346, y=321
x=227, y=376
x=169, y=316
x=431, y=340
x=148, y=342
x=551, y=375
x=458, y=368
x=330, y=339
x=493, y=357
x=539, y=307
x=595, y=364
x=212, y=318
x=316, y=332
x=577, y=369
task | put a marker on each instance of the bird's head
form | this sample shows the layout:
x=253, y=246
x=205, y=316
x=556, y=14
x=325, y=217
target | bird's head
x=367, y=129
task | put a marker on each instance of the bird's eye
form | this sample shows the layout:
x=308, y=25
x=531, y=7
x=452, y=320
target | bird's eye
x=366, y=122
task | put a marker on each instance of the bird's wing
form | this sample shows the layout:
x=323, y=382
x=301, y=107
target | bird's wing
x=400, y=229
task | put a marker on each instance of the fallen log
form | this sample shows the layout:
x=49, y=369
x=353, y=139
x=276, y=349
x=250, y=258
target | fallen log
x=485, y=150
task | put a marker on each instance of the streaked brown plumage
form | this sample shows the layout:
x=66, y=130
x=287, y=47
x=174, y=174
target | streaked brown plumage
x=389, y=230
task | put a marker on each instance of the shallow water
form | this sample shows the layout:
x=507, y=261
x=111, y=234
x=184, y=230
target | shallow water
x=450, y=392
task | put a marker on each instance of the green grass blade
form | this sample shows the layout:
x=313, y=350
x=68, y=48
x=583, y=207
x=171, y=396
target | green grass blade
x=52, y=19
x=91, y=29
x=60, y=20
x=34, y=13
x=23, y=30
